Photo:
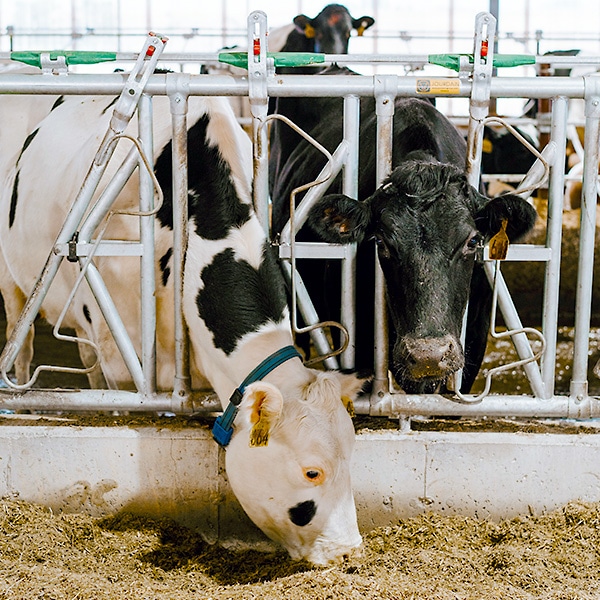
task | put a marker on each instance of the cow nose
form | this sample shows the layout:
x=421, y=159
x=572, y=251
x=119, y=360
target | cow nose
x=433, y=357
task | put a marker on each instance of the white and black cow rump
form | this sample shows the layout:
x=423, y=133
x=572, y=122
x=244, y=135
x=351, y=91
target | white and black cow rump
x=288, y=461
x=428, y=225
x=502, y=154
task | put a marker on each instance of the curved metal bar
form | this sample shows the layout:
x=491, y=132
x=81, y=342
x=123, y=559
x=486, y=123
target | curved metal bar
x=288, y=236
x=530, y=147
x=463, y=399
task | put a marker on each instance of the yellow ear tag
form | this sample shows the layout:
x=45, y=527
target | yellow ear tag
x=360, y=30
x=309, y=31
x=499, y=243
x=487, y=146
x=348, y=405
x=259, y=436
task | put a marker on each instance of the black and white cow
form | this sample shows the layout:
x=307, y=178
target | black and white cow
x=328, y=33
x=428, y=225
x=288, y=461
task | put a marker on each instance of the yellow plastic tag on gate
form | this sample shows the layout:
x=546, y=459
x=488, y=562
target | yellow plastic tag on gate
x=437, y=86
x=499, y=243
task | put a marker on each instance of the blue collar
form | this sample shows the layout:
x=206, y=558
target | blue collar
x=223, y=428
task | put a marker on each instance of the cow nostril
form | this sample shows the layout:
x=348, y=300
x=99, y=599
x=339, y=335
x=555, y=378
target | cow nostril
x=426, y=358
x=303, y=513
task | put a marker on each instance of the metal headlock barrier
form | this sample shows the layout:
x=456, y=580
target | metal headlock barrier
x=475, y=80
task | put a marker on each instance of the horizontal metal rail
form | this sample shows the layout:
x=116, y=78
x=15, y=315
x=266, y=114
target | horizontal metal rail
x=286, y=85
x=108, y=400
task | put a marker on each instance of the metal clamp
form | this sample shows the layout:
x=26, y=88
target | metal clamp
x=483, y=64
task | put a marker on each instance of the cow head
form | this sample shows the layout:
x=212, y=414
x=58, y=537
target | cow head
x=428, y=224
x=288, y=463
x=330, y=29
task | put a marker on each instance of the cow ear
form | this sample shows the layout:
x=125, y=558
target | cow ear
x=339, y=219
x=361, y=24
x=302, y=24
x=519, y=214
x=351, y=386
x=259, y=411
x=332, y=387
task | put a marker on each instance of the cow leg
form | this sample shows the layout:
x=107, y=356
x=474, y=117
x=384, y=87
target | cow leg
x=14, y=301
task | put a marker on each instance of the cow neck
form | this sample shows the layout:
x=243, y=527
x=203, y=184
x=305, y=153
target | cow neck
x=223, y=426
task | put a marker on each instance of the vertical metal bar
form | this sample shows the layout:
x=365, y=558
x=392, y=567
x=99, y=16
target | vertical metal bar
x=485, y=28
x=257, y=94
x=583, y=302
x=350, y=188
x=147, y=261
x=179, y=107
x=385, y=93
x=553, y=241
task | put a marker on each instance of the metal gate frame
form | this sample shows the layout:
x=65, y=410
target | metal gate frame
x=473, y=82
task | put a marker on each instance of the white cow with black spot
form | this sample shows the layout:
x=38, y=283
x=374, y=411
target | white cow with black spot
x=288, y=461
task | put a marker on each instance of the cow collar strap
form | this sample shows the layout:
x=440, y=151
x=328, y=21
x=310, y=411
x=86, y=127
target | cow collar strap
x=223, y=428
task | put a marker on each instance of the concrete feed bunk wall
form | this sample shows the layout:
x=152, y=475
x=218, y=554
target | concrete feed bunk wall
x=180, y=473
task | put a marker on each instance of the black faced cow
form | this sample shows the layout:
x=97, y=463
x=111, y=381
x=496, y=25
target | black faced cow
x=288, y=460
x=428, y=224
x=328, y=33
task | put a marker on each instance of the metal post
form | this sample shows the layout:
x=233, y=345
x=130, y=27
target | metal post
x=117, y=327
x=385, y=93
x=350, y=187
x=147, y=262
x=583, y=302
x=553, y=242
x=179, y=107
x=257, y=94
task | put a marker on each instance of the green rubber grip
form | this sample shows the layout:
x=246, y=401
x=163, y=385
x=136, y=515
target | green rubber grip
x=72, y=57
x=282, y=59
x=452, y=61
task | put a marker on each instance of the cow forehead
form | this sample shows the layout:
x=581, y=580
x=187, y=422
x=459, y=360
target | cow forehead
x=320, y=423
x=333, y=17
x=446, y=217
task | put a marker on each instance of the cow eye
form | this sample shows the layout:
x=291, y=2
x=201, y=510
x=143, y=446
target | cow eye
x=314, y=475
x=382, y=248
x=475, y=242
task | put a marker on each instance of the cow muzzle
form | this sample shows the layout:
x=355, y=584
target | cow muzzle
x=326, y=552
x=428, y=359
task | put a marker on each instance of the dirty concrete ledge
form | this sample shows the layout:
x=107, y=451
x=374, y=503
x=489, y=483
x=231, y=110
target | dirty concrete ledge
x=179, y=472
